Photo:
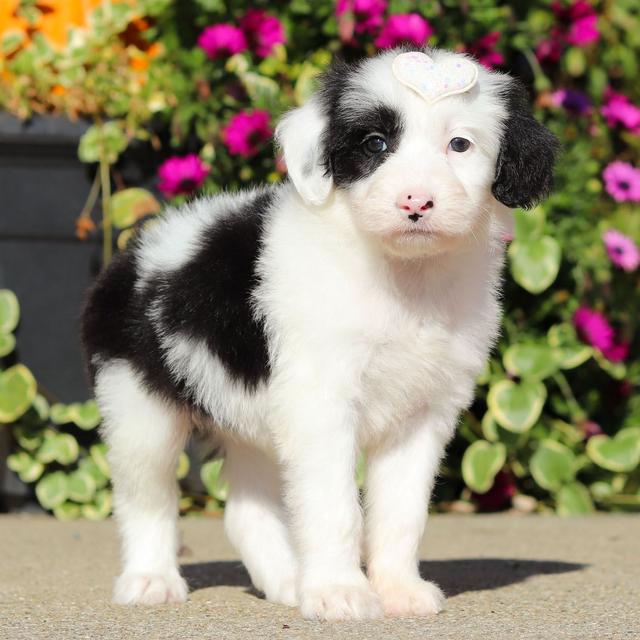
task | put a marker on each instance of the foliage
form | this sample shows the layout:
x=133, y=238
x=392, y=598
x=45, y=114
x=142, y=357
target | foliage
x=557, y=416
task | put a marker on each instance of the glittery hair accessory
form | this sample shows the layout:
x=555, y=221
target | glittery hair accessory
x=434, y=80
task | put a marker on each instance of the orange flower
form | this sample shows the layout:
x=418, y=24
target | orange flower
x=84, y=226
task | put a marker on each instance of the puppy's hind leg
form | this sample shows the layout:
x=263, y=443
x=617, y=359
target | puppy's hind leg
x=255, y=522
x=145, y=436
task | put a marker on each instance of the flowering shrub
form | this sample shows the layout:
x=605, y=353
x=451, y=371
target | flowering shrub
x=556, y=421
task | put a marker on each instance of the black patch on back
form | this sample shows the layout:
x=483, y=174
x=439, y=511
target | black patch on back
x=343, y=154
x=528, y=150
x=210, y=298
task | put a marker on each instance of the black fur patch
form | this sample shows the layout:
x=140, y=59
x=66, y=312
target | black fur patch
x=210, y=298
x=343, y=155
x=528, y=150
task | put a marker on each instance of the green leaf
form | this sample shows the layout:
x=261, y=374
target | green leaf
x=81, y=486
x=306, y=82
x=107, y=139
x=552, y=465
x=183, y=466
x=98, y=453
x=574, y=499
x=7, y=344
x=58, y=447
x=67, y=511
x=211, y=477
x=493, y=432
x=264, y=92
x=100, y=508
x=89, y=465
x=569, y=352
x=27, y=437
x=17, y=392
x=535, y=262
x=25, y=466
x=575, y=61
x=528, y=224
x=530, y=360
x=481, y=462
x=620, y=453
x=85, y=416
x=9, y=311
x=129, y=205
x=516, y=407
x=59, y=413
x=52, y=490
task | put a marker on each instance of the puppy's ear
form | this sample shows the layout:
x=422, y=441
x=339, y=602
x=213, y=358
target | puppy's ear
x=299, y=135
x=524, y=169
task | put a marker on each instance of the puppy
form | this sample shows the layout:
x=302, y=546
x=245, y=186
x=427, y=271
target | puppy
x=349, y=309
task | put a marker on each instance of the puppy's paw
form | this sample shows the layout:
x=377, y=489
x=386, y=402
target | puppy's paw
x=408, y=597
x=283, y=593
x=340, y=602
x=136, y=588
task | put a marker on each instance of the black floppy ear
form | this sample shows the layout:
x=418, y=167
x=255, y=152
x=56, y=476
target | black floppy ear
x=524, y=169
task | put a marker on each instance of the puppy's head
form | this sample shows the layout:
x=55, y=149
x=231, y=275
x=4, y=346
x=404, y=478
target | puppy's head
x=419, y=174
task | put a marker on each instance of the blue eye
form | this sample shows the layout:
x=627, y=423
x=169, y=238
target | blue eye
x=460, y=145
x=375, y=144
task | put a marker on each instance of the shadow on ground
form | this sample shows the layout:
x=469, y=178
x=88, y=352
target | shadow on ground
x=453, y=576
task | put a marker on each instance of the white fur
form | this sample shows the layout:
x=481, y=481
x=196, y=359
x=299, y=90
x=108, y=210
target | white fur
x=376, y=335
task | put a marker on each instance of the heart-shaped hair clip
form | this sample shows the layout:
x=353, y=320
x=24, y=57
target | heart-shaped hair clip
x=434, y=80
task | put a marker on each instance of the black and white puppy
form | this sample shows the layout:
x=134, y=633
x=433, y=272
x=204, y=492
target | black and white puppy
x=349, y=309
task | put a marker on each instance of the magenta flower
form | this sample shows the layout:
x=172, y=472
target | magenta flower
x=500, y=494
x=549, y=51
x=403, y=28
x=368, y=15
x=246, y=131
x=262, y=31
x=222, y=40
x=619, y=110
x=572, y=100
x=622, y=181
x=181, y=175
x=622, y=250
x=484, y=50
x=594, y=329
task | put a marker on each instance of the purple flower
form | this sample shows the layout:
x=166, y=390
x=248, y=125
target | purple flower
x=408, y=27
x=618, y=109
x=246, y=131
x=594, y=329
x=181, y=175
x=572, y=100
x=622, y=250
x=484, y=50
x=367, y=14
x=622, y=181
x=222, y=40
x=500, y=494
x=263, y=31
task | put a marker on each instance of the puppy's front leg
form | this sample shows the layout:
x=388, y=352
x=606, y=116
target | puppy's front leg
x=319, y=454
x=399, y=479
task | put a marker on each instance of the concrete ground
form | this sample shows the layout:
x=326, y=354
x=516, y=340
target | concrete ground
x=515, y=577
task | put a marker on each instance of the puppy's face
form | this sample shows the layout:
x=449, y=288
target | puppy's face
x=418, y=176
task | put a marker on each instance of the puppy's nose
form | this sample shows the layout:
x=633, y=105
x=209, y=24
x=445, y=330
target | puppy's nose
x=415, y=202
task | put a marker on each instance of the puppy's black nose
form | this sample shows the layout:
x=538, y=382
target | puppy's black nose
x=414, y=217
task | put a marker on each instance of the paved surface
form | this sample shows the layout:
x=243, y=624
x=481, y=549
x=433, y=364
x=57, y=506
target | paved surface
x=514, y=577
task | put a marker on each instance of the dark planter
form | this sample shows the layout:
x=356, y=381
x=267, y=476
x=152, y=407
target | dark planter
x=43, y=187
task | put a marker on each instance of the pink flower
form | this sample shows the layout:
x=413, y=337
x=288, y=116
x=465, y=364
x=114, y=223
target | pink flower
x=408, y=27
x=622, y=181
x=181, y=175
x=246, y=131
x=222, y=40
x=484, y=50
x=622, y=250
x=578, y=23
x=368, y=14
x=594, y=329
x=590, y=429
x=619, y=110
x=549, y=51
x=263, y=31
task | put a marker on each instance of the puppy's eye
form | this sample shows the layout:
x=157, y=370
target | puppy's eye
x=375, y=144
x=459, y=144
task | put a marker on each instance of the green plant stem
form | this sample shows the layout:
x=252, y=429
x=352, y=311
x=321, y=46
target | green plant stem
x=92, y=197
x=577, y=413
x=105, y=187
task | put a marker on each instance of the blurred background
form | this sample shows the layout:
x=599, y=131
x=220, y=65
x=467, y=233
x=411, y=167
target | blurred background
x=109, y=110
